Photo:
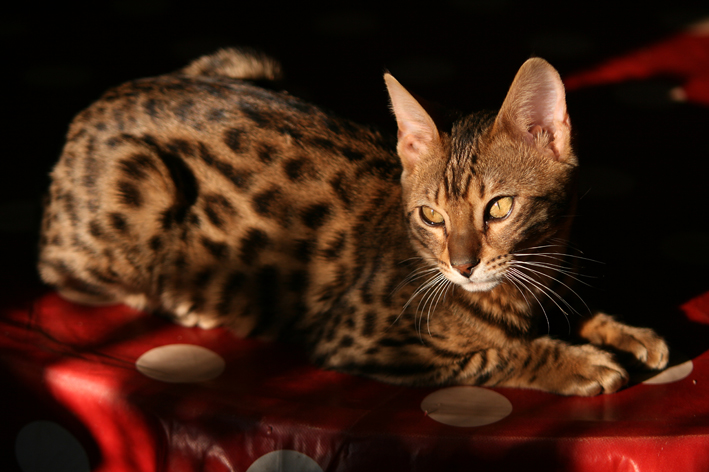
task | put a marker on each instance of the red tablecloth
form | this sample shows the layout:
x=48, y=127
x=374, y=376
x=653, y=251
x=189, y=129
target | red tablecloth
x=684, y=57
x=245, y=405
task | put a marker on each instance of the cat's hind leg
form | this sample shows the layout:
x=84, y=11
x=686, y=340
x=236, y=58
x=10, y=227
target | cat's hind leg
x=70, y=286
x=77, y=283
x=83, y=298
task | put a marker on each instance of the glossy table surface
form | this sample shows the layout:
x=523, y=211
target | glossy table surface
x=147, y=395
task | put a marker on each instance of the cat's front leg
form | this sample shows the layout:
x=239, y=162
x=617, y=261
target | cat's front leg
x=642, y=343
x=554, y=366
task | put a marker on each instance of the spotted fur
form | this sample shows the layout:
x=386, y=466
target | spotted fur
x=203, y=196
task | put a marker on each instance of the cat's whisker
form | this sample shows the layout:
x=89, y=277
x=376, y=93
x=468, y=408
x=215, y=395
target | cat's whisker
x=415, y=275
x=441, y=291
x=433, y=280
x=419, y=258
x=549, y=265
x=544, y=246
x=421, y=308
x=441, y=294
x=555, y=267
x=422, y=272
x=553, y=296
x=412, y=278
x=563, y=245
x=557, y=255
x=431, y=289
x=554, y=262
x=511, y=279
x=419, y=312
x=434, y=289
x=524, y=278
x=527, y=267
x=449, y=286
x=566, y=243
x=512, y=275
x=550, y=293
x=548, y=255
x=413, y=258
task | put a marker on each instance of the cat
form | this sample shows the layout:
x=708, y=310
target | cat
x=421, y=260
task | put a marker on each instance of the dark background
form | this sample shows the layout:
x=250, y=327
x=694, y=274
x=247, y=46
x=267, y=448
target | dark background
x=644, y=207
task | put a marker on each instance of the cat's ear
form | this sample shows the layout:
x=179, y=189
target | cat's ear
x=417, y=131
x=535, y=108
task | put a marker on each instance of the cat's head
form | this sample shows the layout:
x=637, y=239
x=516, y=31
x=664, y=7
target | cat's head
x=490, y=188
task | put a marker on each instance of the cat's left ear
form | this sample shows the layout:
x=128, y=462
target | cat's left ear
x=417, y=131
x=535, y=108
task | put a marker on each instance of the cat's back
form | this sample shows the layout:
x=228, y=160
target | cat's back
x=197, y=138
x=232, y=126
x=190, y=181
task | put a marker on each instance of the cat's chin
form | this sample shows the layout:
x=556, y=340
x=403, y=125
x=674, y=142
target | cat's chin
x=479, y=286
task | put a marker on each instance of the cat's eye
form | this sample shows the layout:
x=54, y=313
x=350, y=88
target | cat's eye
x=500, y=208
x=431, y=216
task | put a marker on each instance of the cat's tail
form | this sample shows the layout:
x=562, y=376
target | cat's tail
x=237, y=63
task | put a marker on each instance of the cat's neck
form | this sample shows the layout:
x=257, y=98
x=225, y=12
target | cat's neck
x=504, y=304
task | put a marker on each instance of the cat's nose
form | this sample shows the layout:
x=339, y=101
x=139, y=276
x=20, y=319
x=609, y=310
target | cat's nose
x=466, y=268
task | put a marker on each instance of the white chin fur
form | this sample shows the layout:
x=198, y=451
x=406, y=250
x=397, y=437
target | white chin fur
x=479, y=286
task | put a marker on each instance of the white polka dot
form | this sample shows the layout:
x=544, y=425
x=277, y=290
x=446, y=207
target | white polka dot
x=466, y=406
x=44, y=446
x=672, y=374
x=180, y=363
x=284, y=461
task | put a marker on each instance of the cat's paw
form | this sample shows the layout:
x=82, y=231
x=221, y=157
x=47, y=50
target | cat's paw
x=193, y=320
x=589, y=371
x=642, y=343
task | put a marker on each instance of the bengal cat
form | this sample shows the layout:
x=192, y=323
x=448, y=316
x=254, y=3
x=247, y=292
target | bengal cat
x=421, y=261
